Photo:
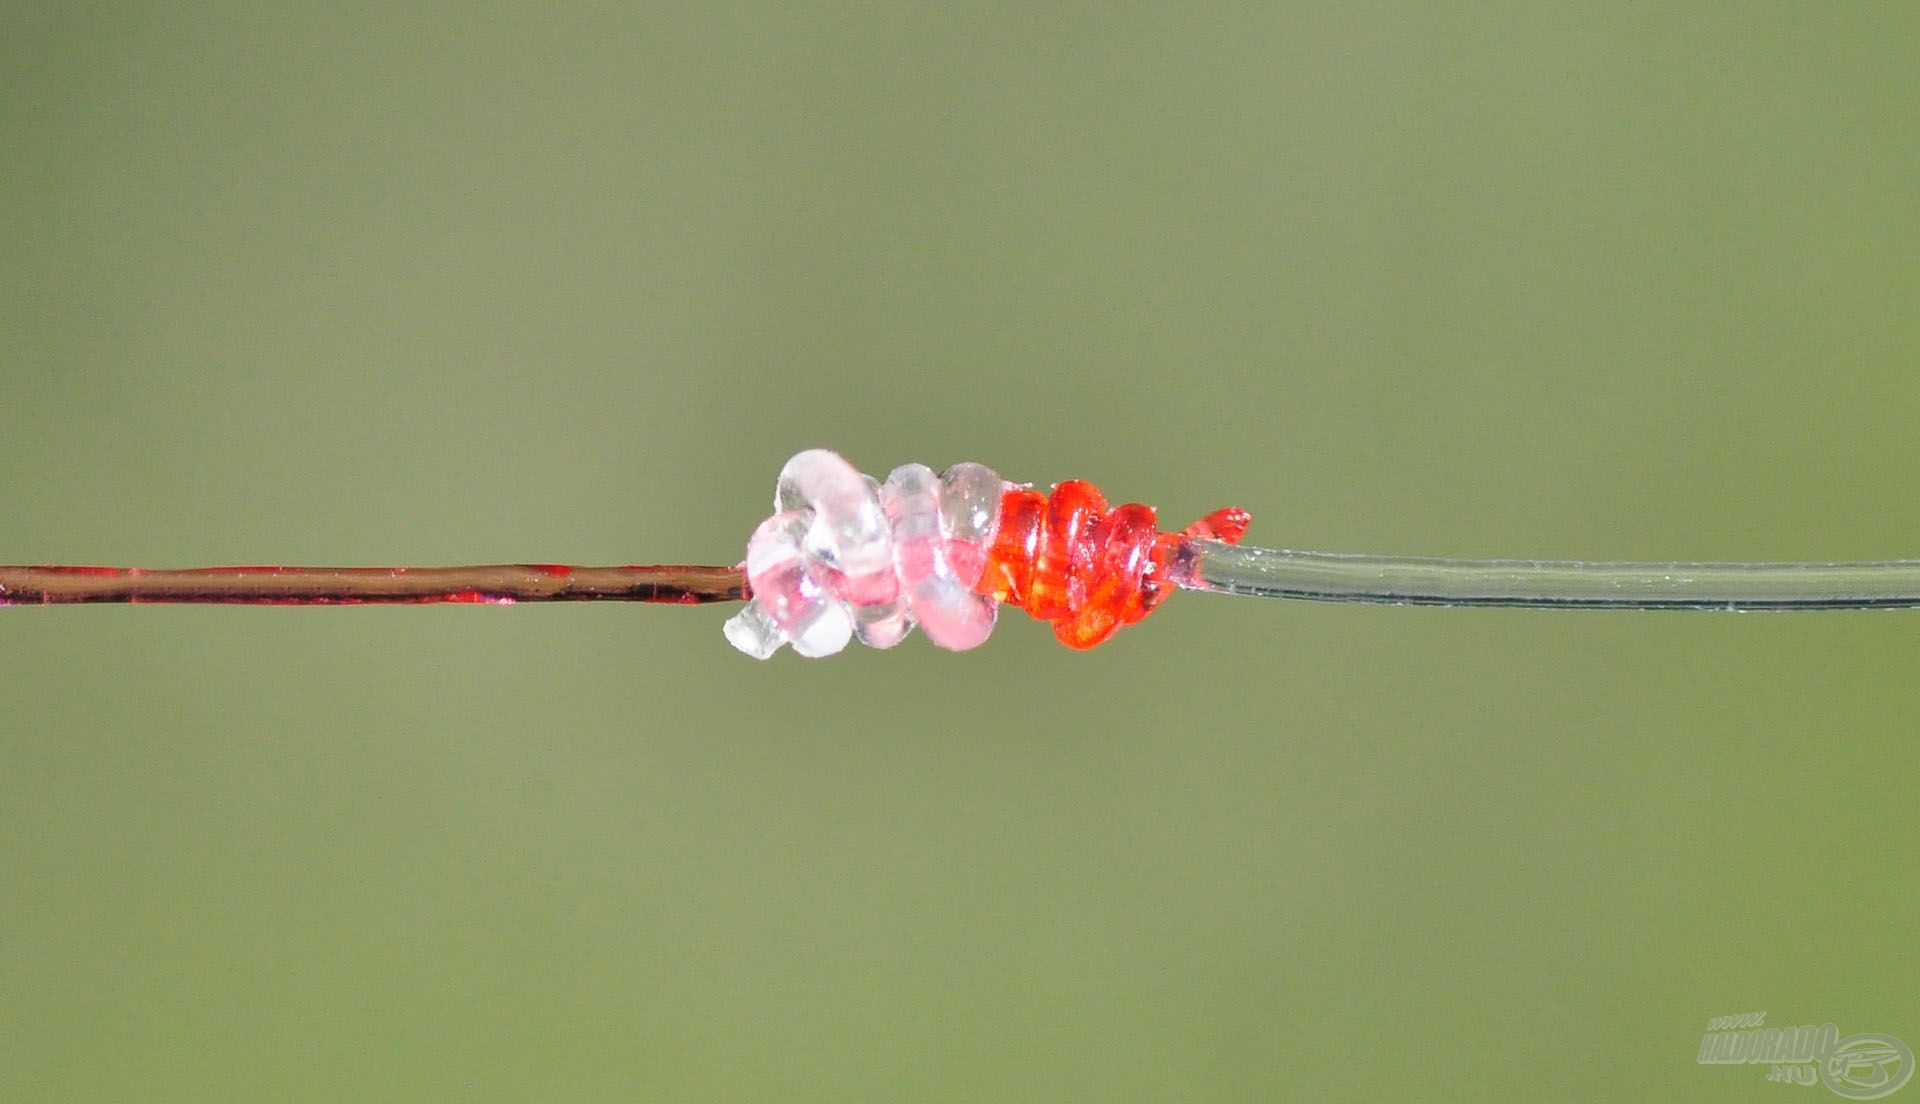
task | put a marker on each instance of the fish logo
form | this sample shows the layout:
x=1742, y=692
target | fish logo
x=1867, y=1066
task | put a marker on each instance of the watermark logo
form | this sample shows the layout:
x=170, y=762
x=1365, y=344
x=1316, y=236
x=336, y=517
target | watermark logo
x=1867, y=1066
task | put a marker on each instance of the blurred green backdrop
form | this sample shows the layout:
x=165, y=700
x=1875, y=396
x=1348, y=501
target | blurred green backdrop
x=343, y=283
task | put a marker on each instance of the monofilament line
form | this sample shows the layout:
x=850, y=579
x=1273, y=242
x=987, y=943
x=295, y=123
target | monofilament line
x=1547, y=584
x=846, y=556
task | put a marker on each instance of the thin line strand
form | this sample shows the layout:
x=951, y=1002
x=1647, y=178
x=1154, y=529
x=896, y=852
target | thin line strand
x=486, y=584
x=1201, y=565
x=1546, y=584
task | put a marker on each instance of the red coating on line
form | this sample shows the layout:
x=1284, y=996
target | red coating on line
x=488, y=584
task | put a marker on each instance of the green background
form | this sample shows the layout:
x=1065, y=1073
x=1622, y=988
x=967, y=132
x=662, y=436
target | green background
x=457, y=283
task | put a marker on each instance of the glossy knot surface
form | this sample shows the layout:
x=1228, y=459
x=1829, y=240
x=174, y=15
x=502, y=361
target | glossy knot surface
x=847, y=556
x=1068, y=560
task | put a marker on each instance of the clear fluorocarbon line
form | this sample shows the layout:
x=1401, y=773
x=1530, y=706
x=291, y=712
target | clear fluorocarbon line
x=846, y=556
x=1546, y=584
